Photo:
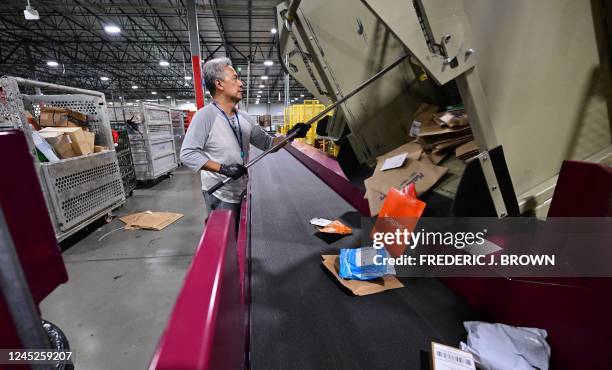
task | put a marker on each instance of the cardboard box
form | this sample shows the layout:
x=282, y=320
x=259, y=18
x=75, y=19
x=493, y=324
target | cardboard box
x=360, y=287
x=61, y=117
x=82, y=141
x=61, y=143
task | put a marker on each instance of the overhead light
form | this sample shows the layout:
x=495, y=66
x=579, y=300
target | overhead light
x=154, y=92
x=264, y=77
x=52, y=63
x=302, y=95
x=268, y=63
x=273, y=30
x=104, y=78
x=168, y=97
x=188, y=78
x=257, y=102
x=121, y=97
x=259, y=96
x=137, y=100
x=112, y=29
x=164, y=63
x=30, y=13
x=239, y=69
x=134, y=87
x=259, y=92
x=262, y=86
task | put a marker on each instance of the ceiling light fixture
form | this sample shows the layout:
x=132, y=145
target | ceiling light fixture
x=273, y=30
x=268, y=63
x=164, y=63
x=134, y=87
x=168, y=97
x=302, y=95
x=259, y=92
x=104, y=78
x=154, y=92
x=262, y=86
x=52, y=63
x=264, y=77
x=112, y=29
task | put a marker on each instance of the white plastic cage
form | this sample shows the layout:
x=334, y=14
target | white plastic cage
x=77, y=190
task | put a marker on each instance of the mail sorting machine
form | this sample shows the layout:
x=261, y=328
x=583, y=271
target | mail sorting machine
x=178, y=130
x=530, y=101
x=510, y=66
x=77, y=190
x=151, y=138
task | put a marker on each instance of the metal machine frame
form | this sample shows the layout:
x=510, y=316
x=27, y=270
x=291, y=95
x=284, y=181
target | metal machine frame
x=77, y=190
x=527, y=96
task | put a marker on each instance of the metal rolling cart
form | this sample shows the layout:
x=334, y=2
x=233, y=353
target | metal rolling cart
x=151, y=139
x=124, y=157
x=178, y=130
x=77, y=190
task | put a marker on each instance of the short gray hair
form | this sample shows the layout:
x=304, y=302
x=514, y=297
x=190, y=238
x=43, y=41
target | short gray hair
x=214, y=70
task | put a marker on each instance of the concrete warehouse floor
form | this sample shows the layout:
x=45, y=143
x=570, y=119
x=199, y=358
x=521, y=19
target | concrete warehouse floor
x=122, y=287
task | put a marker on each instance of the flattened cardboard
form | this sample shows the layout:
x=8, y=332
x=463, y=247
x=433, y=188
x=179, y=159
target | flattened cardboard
x=436, y=158
x=149, y=220
x=360, y=287
x=423, y=174
x=425, y=113
x=467, y=150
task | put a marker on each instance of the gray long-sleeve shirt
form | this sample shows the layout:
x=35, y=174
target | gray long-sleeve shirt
x=210, y=137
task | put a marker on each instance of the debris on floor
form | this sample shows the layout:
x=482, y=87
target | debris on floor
x=149, y=220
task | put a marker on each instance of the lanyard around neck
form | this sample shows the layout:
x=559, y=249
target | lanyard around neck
x=238, y=134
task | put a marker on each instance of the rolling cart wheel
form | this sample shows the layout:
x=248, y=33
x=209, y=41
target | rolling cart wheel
x=58, y=341
x=108, y=218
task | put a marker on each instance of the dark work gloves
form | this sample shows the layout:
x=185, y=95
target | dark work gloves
x=234, y=170
x=301, y=128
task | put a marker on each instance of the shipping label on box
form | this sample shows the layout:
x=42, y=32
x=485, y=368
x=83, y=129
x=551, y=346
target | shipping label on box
x=450, y=358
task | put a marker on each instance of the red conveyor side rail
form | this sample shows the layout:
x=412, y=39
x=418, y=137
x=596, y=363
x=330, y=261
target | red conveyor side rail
x=206, y=327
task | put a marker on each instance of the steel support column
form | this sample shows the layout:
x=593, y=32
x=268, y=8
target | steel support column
x=194, y=47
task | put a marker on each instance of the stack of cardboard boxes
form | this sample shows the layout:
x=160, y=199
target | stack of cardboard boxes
x=66, y=131
x=433, y=135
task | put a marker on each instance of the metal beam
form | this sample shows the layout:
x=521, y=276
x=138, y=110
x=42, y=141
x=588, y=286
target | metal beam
x=194, y=46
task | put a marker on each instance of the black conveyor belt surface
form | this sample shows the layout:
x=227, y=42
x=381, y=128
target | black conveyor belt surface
x=300, y=317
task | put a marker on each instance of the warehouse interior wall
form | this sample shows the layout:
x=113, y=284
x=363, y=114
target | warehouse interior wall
x=274, y=109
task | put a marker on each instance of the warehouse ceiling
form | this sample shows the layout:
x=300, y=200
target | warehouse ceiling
x=72, y=33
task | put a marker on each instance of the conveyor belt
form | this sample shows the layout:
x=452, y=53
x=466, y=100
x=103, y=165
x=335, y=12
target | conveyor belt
x=300, y=317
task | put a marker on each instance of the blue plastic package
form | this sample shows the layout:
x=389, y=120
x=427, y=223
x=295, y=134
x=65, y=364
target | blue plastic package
x=358, y=264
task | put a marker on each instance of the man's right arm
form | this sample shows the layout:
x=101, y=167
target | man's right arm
x=192, y=150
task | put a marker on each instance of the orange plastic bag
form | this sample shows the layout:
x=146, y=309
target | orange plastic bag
x=401, y=210
x=336, y=227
